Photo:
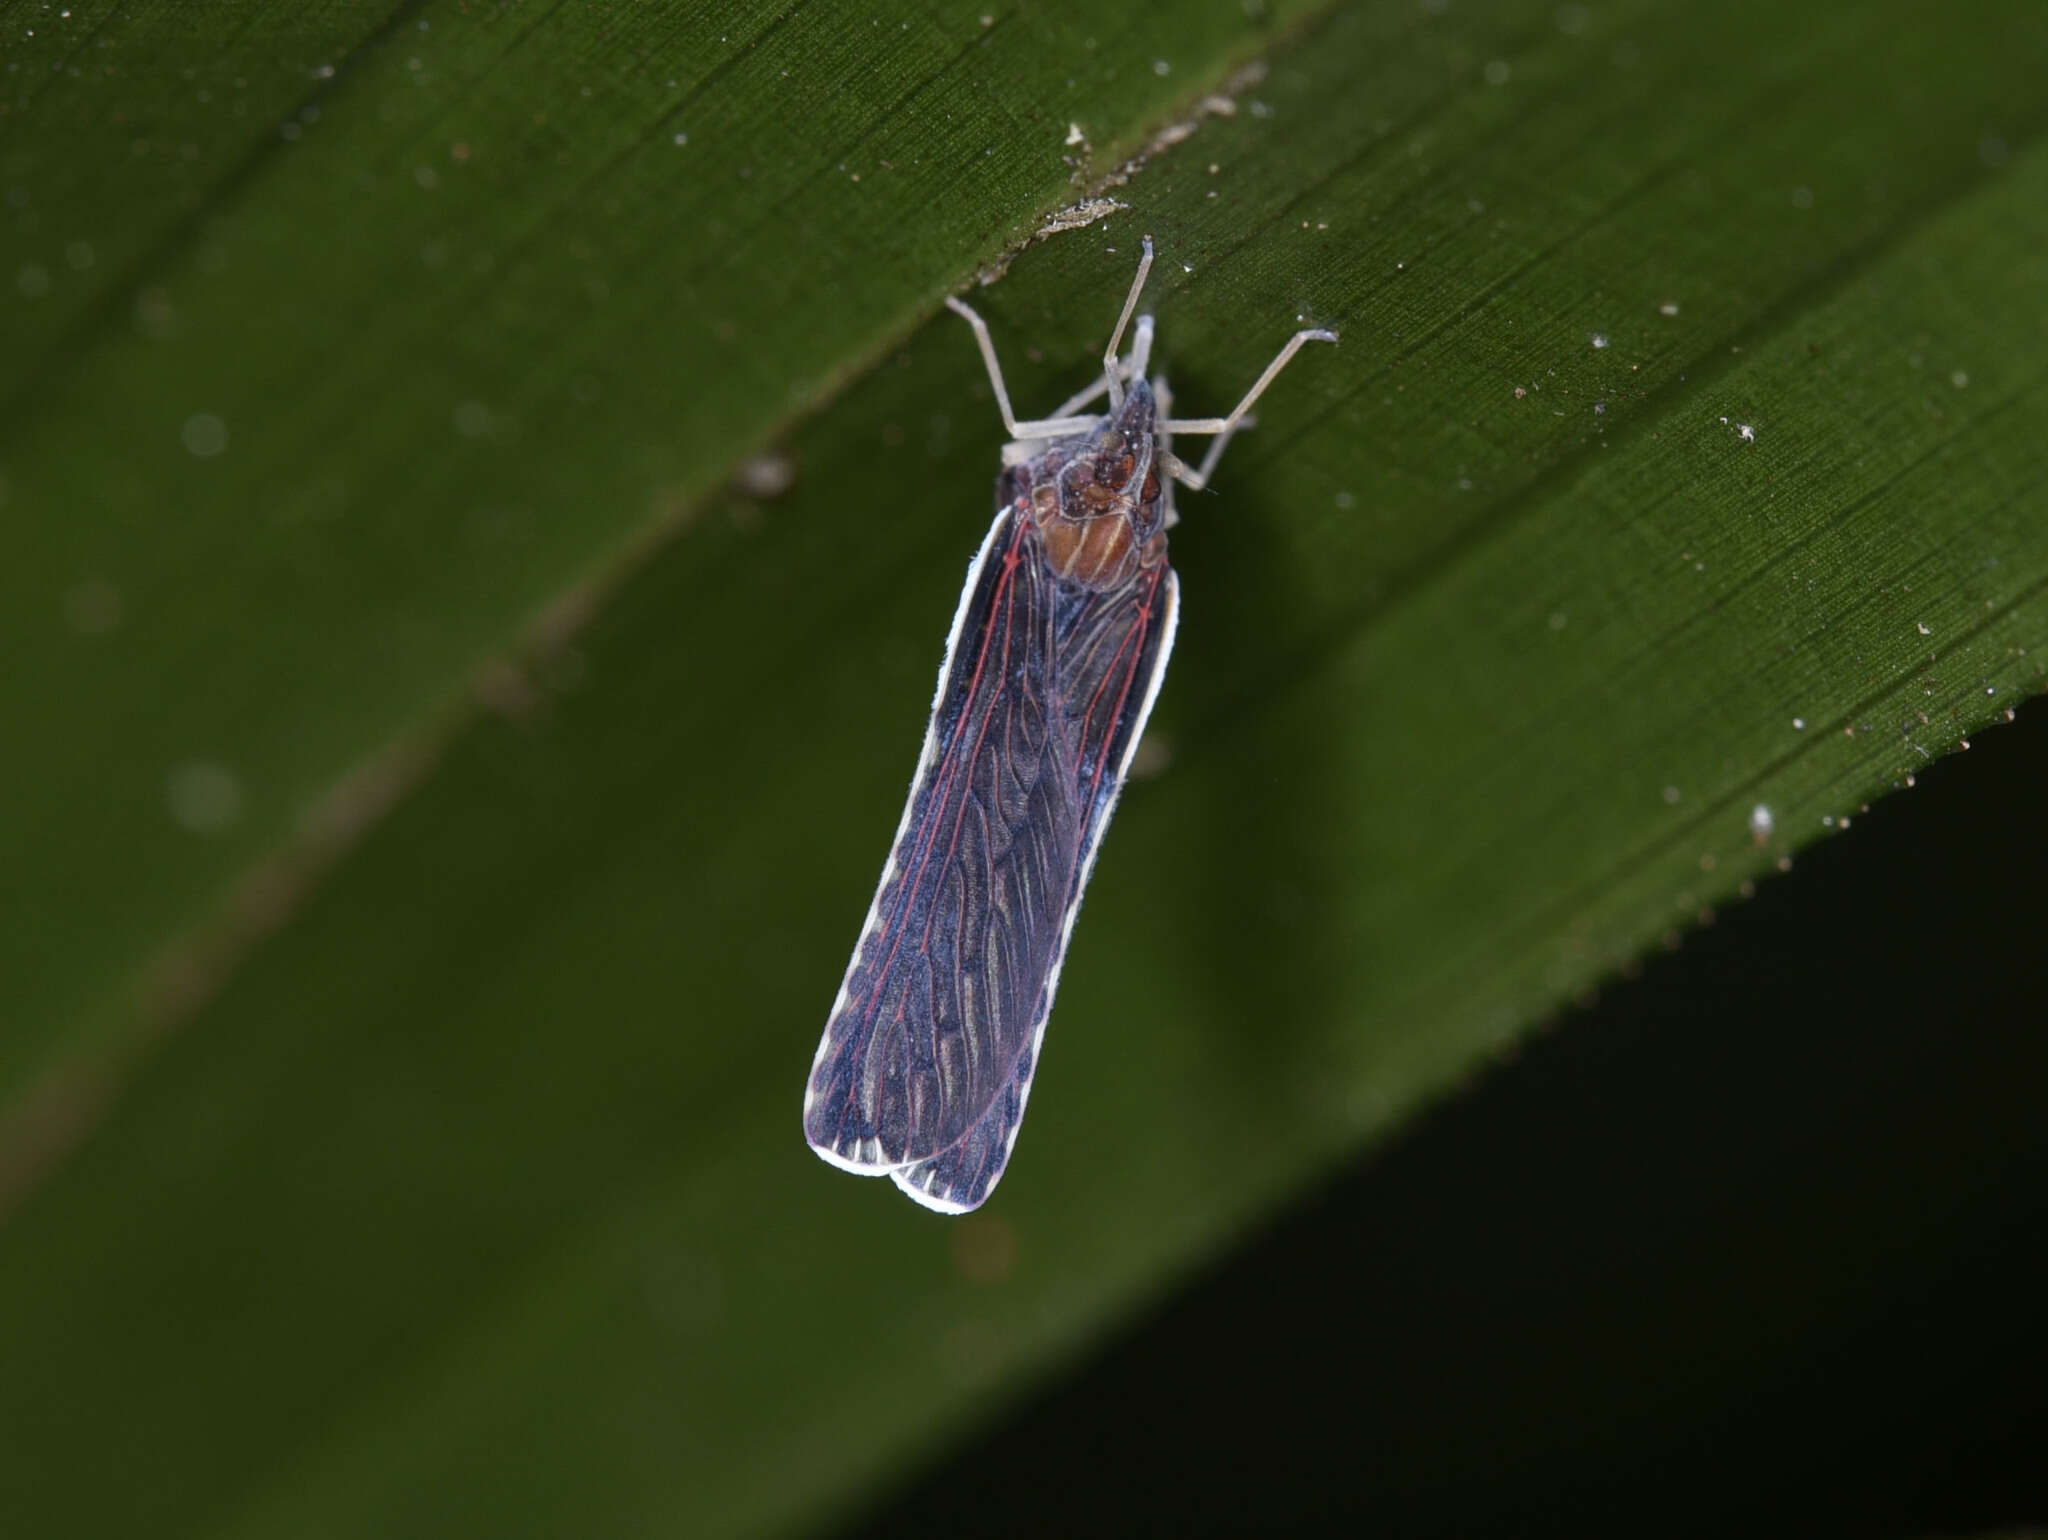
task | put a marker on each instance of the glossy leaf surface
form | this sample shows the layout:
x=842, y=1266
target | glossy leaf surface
x=438, y=813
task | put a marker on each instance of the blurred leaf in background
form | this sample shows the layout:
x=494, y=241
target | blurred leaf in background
x=484, y=487
x=1756, y=1242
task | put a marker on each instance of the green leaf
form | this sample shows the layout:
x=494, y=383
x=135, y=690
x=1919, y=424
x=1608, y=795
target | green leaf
x=334, y=356
x=1676, y=489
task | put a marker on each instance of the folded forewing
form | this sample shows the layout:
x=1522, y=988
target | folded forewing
x=943, y=996
x=961, y=1176
x=1110, y=652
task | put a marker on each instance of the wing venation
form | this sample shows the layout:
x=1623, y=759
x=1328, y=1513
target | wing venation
x=941, y=995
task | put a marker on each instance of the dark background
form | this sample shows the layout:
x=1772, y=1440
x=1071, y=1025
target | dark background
x=1759, y=1239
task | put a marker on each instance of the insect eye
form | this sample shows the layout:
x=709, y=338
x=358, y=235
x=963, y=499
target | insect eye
x=1115, y=471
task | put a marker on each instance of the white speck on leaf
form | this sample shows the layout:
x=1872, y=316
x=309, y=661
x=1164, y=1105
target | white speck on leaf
x=766, y=475
x=203, y=797
x=204, y=435
x=93, y=607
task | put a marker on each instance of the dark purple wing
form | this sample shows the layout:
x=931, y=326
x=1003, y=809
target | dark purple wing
x=1110, y=652
x=943, y=996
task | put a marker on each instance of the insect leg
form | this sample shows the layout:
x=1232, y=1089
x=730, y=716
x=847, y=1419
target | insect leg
x=1223, y=427
x=1109, y=367
x=1130, y=369
x=1050, y=427
x=1164, y=457
x=1063, y=422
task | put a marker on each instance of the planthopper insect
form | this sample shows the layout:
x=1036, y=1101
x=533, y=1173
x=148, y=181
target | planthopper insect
x=1055, y=656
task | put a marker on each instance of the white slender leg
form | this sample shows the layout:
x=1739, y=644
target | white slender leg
x=1224, y=427
x=1109, y=369
x=1063, y=422
x=1162, y=395
x=1130, y=369
x=1050, y=427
